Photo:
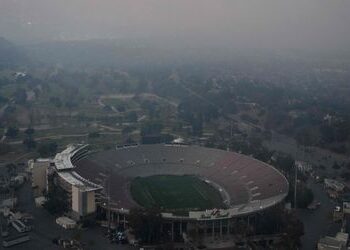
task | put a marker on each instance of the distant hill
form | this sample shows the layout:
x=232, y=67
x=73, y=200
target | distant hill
x=10, y=54
x=95, y=53
x=104, y=52
x=150, y=54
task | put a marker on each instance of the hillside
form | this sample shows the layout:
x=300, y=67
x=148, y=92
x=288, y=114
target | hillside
x=10, y=54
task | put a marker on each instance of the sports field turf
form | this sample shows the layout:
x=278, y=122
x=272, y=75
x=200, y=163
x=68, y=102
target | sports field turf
x=175, y=192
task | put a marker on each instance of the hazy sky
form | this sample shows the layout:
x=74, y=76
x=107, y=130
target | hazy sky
x=239, y=23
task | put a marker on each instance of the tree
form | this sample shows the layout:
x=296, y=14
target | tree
x=345, y=175
x=131, y=116
x=12, y=132
x=146, y=224
x=127, y=130
x=56, y=202
x=197, y=125
x=151, y=108
x=336, y=166
x=151, y=128
x=286, y=164
x=20, y=96
x=70, y=104
x=95, y=134
x=29, y=131
x=11, y=169
x=56, y=101
x=307, y=137
x=29, y=142
x=294, y=229
x=278, y=220
x=2, y=98
x=47, y=149
x=4, y=148
x=305, y=196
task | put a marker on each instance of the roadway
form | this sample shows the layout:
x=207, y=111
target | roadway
x=318, y=223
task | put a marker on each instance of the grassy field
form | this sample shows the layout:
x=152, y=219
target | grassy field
x=175, y=192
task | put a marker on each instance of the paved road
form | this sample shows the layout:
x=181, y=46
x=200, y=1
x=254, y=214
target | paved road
x=318, y=223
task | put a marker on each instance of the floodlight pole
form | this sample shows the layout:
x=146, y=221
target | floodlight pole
x=295, y=186
x=106, y=191
x=108, y=202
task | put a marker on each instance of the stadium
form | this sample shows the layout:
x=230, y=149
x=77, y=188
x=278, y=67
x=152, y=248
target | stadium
x=199, y=188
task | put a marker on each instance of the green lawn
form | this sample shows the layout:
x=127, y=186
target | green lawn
x=175, y=192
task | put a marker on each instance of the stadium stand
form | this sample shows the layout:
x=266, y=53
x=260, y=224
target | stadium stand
x=249, y=183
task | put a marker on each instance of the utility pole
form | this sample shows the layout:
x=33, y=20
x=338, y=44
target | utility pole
x=106, y=198
x=295, y=186
x=231, y=134
x=108, y=202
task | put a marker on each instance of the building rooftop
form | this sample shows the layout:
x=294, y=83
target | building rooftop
x=330, y=243
x=334, y=184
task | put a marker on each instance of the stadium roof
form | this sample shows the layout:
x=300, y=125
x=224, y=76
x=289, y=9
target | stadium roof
x=63, y=163
x=76, y=180
x=62, y=160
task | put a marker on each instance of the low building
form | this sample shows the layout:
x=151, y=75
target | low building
x=334, y=185
x=343, y=237
x=339, y=242
x=10, y=202
x=333, y=194
x=66, y=222
x=40, y=201
x=338, y=214
x=329, y=243
x=346, y=207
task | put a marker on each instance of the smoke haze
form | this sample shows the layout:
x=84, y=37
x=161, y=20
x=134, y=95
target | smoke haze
x=235, y=23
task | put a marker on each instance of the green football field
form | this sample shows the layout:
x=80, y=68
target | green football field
x=175, y=192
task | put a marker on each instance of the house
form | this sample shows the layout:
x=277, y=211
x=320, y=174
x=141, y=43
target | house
x=338, y=242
